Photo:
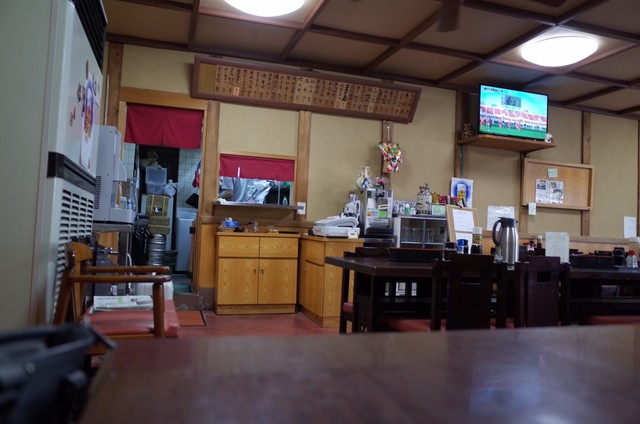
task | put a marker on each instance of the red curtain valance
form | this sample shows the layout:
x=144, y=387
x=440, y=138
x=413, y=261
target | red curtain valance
x=162, y=126
x=257, y=167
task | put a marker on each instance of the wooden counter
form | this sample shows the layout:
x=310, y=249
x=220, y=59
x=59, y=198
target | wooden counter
x=256, y=273
x=319, y=289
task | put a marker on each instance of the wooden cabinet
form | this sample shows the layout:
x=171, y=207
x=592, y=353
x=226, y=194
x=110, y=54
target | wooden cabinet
x=319, y=288
x=256, y=273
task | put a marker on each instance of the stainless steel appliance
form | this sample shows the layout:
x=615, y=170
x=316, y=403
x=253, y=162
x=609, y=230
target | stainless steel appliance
x=115, y=199
x=505, y=237
x=376, y=217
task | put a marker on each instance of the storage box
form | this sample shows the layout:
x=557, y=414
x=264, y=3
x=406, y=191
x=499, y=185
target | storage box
x=157, y=205
x=155, y=178
x=156, y=175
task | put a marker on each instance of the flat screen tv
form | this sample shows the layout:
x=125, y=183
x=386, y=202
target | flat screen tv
x=512, y=113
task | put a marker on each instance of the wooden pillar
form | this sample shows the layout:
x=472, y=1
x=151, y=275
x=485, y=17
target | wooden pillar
x=302, y=160
x=386, y=137
x=585, y=224
x=112, y=83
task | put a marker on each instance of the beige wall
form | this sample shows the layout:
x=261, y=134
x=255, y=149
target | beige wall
x=614, y=148
x=259, y=130
x=156, y=69
x=339, y=145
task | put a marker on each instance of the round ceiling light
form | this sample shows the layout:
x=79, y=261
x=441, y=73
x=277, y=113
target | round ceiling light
x=266, y=8
x=559, y=51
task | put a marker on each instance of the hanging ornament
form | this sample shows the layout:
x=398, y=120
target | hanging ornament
x=392, y=156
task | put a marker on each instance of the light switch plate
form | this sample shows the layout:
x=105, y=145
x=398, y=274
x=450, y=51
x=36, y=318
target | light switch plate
x=532, y=208
x=302, y=208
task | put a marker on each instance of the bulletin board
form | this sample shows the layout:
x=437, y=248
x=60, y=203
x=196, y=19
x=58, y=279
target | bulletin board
x=557, y=184
x=460, y=223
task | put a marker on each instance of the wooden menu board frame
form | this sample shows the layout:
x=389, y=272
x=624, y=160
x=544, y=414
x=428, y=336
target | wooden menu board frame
x=577, y=184
x=223, y=80
x=460, y=222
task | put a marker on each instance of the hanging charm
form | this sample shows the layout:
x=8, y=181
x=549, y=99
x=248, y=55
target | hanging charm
x=392, y=156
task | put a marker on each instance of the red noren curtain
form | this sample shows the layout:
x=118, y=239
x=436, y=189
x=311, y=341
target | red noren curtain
x=161, y=126
x=257, y=167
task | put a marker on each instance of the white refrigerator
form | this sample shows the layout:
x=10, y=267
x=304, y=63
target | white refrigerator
x=52, y=89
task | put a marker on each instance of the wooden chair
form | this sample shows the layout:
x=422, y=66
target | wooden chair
x=79, y=273
x=468, y=283
x=347, y=307
x=541, y=289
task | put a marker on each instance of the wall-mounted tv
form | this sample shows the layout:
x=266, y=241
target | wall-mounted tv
x=512, y=113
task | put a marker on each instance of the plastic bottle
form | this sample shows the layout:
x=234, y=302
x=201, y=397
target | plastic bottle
x=285, y=201
x=632, y=259
x=476, y=241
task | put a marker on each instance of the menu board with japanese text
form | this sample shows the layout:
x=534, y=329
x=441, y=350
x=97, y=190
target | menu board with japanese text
x=302, y=90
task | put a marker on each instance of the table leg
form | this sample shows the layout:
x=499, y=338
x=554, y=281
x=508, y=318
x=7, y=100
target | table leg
x=342, y=327
x=502, y=295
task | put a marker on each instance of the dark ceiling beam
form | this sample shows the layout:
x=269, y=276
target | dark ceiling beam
x=165, y=4
x=602, y=31
x=579, y=10
x=630, y=110
x=427, y=23
x=293, y=41
x=445, y=51
x=591, y=96
x=355, y=36
x=599, y=80
x=193, y=22
x=145, y=42
x=512, y=12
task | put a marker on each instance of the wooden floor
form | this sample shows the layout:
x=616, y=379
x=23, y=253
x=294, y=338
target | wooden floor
x=255, y=325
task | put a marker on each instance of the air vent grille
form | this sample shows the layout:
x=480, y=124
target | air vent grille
x=94, y=22
x=76, y=222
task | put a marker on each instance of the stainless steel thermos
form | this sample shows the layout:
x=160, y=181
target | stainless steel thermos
x=505, y=237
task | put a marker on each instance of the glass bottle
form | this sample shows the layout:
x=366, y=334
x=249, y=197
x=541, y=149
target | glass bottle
x=632, y=259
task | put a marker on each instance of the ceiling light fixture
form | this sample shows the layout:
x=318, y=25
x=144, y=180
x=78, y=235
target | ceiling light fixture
x=559, y=51
x=266, y=8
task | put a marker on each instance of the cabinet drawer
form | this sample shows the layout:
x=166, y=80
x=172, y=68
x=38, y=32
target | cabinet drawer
x=314, y=252
x=276, y=247
x=238, y=247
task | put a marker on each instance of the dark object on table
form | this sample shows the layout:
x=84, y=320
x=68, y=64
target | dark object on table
x=402, y=254
x=42, y=373
x=592, y=261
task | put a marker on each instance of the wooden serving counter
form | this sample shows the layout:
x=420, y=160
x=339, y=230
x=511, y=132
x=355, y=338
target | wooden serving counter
x=319, y=288
x=256, y=273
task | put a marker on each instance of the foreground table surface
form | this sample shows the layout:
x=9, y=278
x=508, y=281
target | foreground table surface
x=549, y=375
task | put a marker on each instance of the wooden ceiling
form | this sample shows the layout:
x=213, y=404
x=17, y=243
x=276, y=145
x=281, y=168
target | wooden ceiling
x=401, y=41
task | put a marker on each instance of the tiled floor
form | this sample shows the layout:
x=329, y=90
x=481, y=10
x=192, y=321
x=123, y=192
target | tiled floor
x=255, y=325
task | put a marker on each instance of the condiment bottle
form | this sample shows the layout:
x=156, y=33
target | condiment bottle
x=476, y=241
x=632, y=259
x=449, y=249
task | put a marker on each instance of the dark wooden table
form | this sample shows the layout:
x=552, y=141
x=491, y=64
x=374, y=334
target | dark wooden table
x=586, y=291
x=532, y=375
x=375, y=273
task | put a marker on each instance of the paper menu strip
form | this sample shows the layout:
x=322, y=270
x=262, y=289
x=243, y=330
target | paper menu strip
x=557, y=244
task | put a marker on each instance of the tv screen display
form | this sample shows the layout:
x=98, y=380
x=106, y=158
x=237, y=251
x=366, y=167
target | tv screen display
x=512, y=113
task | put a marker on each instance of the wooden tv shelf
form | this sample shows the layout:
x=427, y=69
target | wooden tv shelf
x=505, y=143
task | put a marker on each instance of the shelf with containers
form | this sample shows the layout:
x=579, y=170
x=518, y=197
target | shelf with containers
x=420, y=231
